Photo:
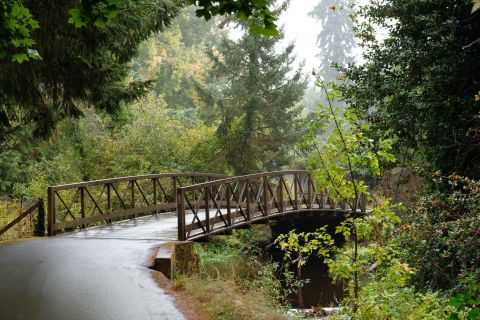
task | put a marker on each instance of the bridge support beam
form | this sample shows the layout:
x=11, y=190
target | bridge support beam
x=176, y=257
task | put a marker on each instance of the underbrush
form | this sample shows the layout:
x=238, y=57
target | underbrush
x=9, y=210
x=233, y=284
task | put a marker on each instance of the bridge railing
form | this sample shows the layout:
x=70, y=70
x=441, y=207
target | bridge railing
x=213, y=207
x=90, y=203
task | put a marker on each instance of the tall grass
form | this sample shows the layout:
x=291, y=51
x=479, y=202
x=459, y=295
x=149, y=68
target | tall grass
x=233, y=283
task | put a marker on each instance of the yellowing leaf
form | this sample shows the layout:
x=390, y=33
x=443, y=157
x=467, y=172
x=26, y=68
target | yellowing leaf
x=476, y=5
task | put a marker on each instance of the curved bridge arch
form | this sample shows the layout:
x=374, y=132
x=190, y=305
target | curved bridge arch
x=205, y=203
x=216, y=206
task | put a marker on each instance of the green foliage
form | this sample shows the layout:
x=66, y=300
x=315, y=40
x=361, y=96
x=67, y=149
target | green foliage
x=253, y=97
x=260, y=18
x=337, y=162
x=387, y=297
x=150, y=141
x=467, y=301
x=178, y=62
x=340, y=160
x=98, y=13
x=15, y=163
x=441, y=236
x=16, y=27
x=420, y=80
x=78, y=67
x=235, y=283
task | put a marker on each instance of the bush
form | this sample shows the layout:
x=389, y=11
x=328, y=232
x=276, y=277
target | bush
x=233, y=283
x=387, y=297
x=442, y=237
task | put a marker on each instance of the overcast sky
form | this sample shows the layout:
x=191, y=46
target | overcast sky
x=302, y=30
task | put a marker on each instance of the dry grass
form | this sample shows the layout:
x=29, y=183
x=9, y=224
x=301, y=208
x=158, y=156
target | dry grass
x=224, y=298
x=9, y=210
x=231, y=283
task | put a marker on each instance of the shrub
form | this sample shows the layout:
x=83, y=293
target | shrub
x=442, y=237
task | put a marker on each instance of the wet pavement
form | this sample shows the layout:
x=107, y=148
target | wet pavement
x=98, y=273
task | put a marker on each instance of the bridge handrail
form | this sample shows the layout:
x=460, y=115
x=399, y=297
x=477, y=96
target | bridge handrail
x=140, y=195
x=243, y=178
x=223, y=204
x=133, y=178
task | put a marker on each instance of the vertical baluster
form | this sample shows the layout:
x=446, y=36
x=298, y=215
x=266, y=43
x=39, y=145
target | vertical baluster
x=310, y=191
x=174, y=186
x=180, y=195
x=207, y=208
x=229, y=209
x=51, y=211
x=265, y=196
x=280, y=194
x=82, y=204
x=363, y=203
x=40, y=224
x=295, y=191
x=109, y=201
x=132, y=191
x=154, y=186
x=247, y=198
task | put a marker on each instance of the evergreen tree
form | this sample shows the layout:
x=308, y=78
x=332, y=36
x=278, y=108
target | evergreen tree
x=336, y=38
x=422, y=81
x=254, y=99
x=87, y=65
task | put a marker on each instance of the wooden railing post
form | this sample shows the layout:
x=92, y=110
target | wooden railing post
x=207, y=208
x=40, y=225
x=182, y=236
x=109, y=198
x=82, y=202
x=174, y=186
x=247, y=198
x=154, y=190
x=82, y=205
x=132, y=193
x=51, y=212
x=109, y=201
x=310, y=191
x=229, y=209
x=265, y=196
x=280, y=194
x=363, y=203
x=295, y=191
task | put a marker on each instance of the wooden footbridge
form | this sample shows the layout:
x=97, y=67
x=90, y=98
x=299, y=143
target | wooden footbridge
x=205, y=203
x=109, y=231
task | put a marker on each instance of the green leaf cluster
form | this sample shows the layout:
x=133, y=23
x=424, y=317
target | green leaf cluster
x=98, y=13
x=421, y=79
x=256, y=13
x=253, y=98
x=16, y=27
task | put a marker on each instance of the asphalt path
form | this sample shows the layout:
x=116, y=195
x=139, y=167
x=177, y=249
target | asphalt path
x=96, y=274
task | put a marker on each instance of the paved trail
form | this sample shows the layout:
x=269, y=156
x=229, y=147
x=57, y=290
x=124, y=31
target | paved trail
x=96, y=274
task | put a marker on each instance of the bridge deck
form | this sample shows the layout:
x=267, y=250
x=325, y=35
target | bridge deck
x=155, y=227
x=164, y=226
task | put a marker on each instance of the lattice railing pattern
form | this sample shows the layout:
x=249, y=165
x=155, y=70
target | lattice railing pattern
x=216, y=206
x=90, y=203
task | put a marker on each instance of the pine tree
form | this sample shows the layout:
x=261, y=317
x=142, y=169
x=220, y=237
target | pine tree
x=87, y=65
x=336, y=38
x=254, y=98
